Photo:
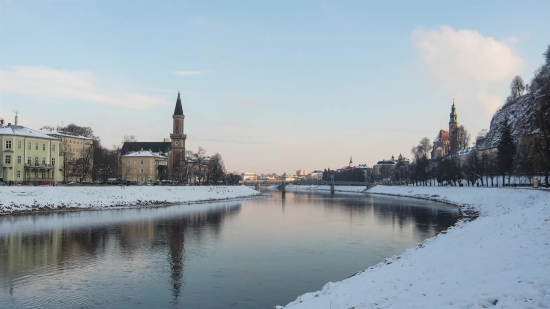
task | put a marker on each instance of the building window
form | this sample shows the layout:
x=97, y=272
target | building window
x=44, y=147
x=29, y=147
x=35, y=174
x=129, y=162
x=53, y=161
x=19, y=145
x=44, y=161
x=36, y=162
x=29, y=162
x=128, y=170
x=70, y=141
x=18, y=174
x=7, y=160
x=53, y=147
x=141, y=162
x=36, y=146
x=8, y=144
x=141, y=171
x=43, y=174
x=18, y=159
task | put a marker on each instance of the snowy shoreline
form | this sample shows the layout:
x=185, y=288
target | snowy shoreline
x=499, y=260
x=25, y=200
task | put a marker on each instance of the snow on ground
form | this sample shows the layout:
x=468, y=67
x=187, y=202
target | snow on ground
x=326, y=188
x=23, y=199
x=499, y=260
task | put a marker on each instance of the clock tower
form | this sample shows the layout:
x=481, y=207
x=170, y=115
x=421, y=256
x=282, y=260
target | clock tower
x=453, y=129
x=177, y=156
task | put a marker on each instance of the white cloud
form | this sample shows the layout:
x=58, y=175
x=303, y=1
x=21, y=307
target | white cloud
x=467, y=62
x=189, y=73
x=451, y=55
x=69, y=85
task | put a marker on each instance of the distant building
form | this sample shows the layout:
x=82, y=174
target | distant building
x=446, y=142
x=249, y=176
x=315, y=176
x=367, y=170
x=301, y=173
x=144, y=166
x=383, y=169
x=75, y=149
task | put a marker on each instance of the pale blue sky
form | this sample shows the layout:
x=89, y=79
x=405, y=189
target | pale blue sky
x=274, y=86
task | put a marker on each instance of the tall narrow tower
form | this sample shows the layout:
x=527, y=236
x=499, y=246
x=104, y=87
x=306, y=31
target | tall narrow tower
x=453, y=130
x=177, y=156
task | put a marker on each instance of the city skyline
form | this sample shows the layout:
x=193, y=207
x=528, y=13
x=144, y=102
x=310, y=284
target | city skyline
x=269, y=85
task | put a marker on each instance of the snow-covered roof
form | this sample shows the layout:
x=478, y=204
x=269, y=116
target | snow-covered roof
x=145, y=153
x=62, y=133
x=16, y=130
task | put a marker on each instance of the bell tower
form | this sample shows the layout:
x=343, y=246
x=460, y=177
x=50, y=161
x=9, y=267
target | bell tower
x=177, y=156
x=453, y=129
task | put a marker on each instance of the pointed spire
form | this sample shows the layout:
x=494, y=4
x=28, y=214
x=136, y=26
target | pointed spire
x=179, y=108
x=350, y=160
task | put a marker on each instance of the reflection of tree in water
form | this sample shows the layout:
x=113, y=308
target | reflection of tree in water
x=427, y=219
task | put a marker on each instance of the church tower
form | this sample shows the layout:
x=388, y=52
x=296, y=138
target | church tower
x=177, y=156
x=453, y=130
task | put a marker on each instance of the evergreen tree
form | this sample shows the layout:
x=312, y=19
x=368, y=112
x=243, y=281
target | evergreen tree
x=506, y=152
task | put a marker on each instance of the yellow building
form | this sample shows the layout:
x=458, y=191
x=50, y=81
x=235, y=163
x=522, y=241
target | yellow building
x=144, y=166
x=76, y=149
x=29, y=156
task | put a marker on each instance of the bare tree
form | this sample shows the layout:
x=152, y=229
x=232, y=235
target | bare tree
x=482, y=134
x=82, y=166
x=129, y=139
x=463, y=138
x=77, y=130
x=517, y=87
x=422, y=150
x=216, y=169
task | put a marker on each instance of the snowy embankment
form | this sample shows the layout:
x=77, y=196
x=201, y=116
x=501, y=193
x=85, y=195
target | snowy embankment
x=501, y=259
x=28, y=199
x=325, y=188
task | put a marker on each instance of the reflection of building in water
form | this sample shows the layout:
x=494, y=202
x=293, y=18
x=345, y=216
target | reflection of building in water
x=21, y=253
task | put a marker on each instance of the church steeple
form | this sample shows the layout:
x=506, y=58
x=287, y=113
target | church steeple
x=179, y=108
x=453, y=116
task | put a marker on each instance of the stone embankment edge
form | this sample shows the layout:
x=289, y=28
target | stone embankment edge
x=467, y=212
x=45, y=209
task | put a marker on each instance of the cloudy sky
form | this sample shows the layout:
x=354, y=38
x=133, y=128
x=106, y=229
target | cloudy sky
x=273, y=86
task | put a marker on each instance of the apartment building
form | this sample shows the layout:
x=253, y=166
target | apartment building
x=29, y=156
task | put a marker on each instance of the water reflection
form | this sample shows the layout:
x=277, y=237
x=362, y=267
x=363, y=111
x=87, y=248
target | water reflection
x=251, y=254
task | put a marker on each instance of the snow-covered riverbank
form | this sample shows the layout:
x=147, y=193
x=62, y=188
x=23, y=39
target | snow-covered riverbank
x=501, y=259
x=27, y=199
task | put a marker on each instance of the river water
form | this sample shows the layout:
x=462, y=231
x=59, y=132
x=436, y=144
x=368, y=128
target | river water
x=247, y=254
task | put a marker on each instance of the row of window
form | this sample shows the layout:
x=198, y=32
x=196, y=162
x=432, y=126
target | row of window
x=129, y=170
x=135, y=162
x=43, y=174
x=7, y=160
x=29, y=146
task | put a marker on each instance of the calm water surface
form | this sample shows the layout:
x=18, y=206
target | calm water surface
x=248, y=254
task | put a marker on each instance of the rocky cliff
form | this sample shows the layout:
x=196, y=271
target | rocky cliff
x=520, y=114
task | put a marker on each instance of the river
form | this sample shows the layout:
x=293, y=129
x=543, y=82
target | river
x=244, y=254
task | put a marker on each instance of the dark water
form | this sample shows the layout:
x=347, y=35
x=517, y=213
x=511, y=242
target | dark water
x=248, y=254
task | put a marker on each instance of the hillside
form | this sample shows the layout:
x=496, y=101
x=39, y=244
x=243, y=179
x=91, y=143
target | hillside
x=521, y=115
